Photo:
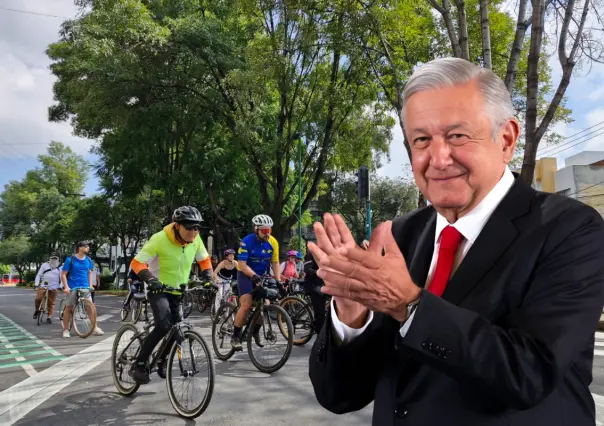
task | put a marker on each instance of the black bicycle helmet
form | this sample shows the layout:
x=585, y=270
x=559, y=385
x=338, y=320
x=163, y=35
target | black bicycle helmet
x=54, y=254
x=187, y=214
x=229, y=251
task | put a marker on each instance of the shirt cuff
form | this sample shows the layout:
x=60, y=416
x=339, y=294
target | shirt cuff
x=405, y=328
x=344, y=333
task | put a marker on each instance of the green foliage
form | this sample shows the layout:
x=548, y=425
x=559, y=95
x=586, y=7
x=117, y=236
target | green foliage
x=4, y=269
x=16, y=251
x=30, y=276
x=389, y=198
x=235, y=83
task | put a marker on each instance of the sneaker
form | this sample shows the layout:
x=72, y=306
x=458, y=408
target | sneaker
x=98, y=332
x=48, y=321
x=65, y=334
x=161, y=369
x=139, y=373
x=236, y=343
x=36, y=314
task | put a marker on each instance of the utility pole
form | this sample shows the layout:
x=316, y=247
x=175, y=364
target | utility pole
x=364, y=195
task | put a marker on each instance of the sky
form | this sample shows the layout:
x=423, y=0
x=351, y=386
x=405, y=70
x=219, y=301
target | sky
x=26, y=93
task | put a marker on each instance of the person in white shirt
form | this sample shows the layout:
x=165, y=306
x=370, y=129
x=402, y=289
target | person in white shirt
x=48, y=277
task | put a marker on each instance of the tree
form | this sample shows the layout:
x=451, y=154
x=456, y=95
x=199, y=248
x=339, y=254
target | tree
x=249, y=79
x=16, y=251
x=389, y=198
x=4, y=269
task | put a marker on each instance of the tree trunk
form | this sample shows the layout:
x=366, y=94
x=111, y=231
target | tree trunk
x=462, y=19
x=445, y=11
x=486, y=34
x=532, y=87
x=521, y=27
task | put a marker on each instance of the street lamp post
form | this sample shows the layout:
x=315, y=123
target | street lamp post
x=300, y=195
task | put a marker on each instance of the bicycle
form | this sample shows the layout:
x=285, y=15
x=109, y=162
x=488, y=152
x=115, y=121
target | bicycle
x=83, y=311
x=181, y=332
x=202, y=295
x=228, y=296
x=222, y=327
x=43, y=307
x=138, y=305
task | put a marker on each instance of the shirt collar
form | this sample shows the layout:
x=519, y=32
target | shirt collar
x=472, y=223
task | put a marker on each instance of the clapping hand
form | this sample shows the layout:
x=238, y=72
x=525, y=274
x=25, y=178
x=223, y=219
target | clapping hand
x=362, y=280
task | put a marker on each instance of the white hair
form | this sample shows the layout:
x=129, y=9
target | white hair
x=449, y=72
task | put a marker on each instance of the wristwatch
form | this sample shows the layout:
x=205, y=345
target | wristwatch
x=411, y=307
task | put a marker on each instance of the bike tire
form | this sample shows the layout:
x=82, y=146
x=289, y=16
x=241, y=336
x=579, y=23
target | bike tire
x=88, y=306
x=124, y=312
x=187, y=305
x=116, y=372
x=304, y=308
x=207, y=397
x=277, y=311
x=136, y=311
x=62, y=308
x=42, y=309
x=221, y=329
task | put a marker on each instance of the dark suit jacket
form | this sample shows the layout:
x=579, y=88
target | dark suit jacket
x=510, y=342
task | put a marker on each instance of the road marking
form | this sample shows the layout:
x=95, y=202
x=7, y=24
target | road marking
x=16, y=335
x=17, y=401
x=599, y=352
x=103, y=318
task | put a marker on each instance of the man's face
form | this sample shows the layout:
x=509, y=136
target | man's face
x=187, y=232
x=84, y=249
x=214, y=261
x=455, y=160
x=264, y=233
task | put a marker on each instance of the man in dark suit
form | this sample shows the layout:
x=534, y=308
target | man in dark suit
x=483, y=309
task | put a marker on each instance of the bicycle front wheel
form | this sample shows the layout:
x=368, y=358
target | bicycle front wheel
x=190, y=375
x=187, y=305
x=222, y=330
x=272, y=340
x=302, y=318
x=136, y=310
x=42, y=309
x=83, y=319
x=125, y=350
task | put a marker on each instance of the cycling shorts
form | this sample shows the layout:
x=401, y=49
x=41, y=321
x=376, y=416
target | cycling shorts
x=245, y=284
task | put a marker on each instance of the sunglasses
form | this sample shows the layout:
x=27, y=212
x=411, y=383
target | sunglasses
x=192, y=227
x=265, y=231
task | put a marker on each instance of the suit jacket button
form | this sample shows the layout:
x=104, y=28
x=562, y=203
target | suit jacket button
x=401, y=411
x=424, y=345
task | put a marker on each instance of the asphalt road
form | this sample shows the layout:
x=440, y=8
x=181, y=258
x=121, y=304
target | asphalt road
x=68, y=381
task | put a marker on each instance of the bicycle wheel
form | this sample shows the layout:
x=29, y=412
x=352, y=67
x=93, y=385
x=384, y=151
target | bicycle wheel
x=137, y=307
x=199, y=300
x=123, y=354
x=124, y=312
x=42, y=309
x=269, y=332
x=302, y=318
x=222, y=330
x=62, y=308
x=83, y=319
x=187, y=305
x=184, y=367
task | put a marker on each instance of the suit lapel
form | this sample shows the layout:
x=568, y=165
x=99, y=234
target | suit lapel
x=492, y=243
x=421, y=256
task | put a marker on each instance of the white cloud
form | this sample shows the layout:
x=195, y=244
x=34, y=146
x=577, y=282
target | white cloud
x=26, y=82
x=399, y=160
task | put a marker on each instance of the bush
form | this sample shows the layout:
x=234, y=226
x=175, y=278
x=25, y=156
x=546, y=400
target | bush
x=29, y=276
x=30, y=284
x=107, y=282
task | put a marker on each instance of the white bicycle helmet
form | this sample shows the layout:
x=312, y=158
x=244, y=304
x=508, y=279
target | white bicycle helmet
x=262, y=220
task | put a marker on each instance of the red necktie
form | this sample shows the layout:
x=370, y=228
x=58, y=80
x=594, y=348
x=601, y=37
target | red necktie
x=449, y=242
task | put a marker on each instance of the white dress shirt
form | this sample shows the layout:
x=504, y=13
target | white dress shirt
x=469, y=226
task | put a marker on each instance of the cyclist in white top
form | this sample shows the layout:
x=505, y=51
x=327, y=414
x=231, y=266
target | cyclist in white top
x=225, y=273
x=48, y=277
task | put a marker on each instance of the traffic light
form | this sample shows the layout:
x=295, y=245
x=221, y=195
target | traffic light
x=363, y=182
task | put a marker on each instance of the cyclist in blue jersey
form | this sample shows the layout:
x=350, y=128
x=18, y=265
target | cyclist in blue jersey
x=256, y=252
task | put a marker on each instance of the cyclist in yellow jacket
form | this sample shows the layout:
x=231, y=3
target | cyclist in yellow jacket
x=166, y=260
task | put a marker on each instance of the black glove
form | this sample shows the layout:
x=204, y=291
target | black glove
x=207, y=276
x=154, y=284
x=256, y=279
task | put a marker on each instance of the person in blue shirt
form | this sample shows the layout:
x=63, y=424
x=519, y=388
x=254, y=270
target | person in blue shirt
x=257, y=252
x=77, y=273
